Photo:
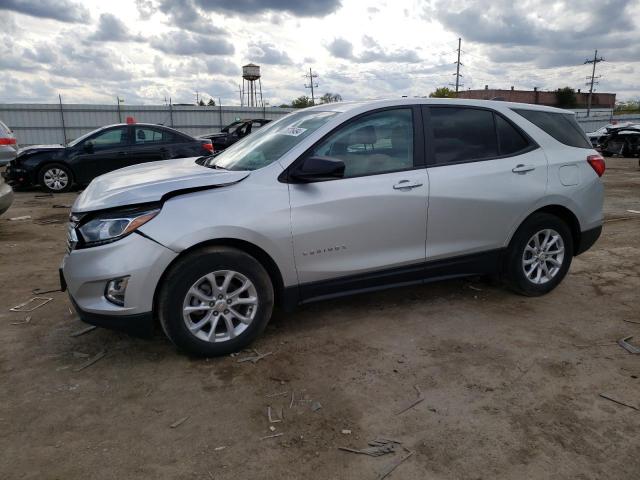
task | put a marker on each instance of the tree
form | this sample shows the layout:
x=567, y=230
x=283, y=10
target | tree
x=284, y=105
x=566, y=97
x=302, y=102
x=330, y=98
x=211, y=103
x=201, y=103
x=443, y=92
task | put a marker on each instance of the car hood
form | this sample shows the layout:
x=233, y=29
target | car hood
x=150, y=182
x=39, y=148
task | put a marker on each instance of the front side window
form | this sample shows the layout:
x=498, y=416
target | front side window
x=110, y=138
x=463, y=134
x=270, y=142
x=375, y=143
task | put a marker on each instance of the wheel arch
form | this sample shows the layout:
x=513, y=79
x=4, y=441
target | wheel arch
x=564, y=214
x=52, y=161
x=255, y=251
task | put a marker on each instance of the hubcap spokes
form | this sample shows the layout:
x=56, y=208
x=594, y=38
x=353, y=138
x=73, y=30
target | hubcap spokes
x=56, y=179
x=543, y=256
x=220, y=306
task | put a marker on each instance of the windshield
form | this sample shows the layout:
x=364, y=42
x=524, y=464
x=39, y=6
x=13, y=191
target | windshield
x=75, y=142
x=270, y=142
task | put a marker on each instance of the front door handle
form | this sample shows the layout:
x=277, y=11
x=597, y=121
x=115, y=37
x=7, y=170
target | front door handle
x=122, y=153
x=522, y=168
x=406, y=185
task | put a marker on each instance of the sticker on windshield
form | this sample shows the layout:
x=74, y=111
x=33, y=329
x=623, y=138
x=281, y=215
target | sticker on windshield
x=293, y=131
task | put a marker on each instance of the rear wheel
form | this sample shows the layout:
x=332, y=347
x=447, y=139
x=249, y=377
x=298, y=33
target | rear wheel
x=215, y=301
x=539, y=255
x=55, y=178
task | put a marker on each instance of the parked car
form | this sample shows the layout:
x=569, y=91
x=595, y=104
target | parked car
x=56, y=167
x=600, y=134
x=234, y=132
x=8, y=152
x=8, y=145
x=330, y=201
x=623, y=141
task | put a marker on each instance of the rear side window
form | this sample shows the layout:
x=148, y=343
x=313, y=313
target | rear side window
x=463, y=134
x=510, y=140
x=145, y=135
x=561, y=126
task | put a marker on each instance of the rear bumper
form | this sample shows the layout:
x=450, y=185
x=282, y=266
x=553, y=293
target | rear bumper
x=587, y=239
x=6, y=197
x=138, y=325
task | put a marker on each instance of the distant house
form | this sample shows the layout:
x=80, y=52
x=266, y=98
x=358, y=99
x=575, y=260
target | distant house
x=599, y=100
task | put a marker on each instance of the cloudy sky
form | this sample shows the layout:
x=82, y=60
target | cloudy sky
x=144, y=51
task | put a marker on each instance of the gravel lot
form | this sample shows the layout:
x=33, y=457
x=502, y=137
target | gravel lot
x=511, y=385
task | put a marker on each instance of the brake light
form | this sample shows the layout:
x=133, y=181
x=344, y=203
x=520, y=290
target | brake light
x=597, y=163
x=208, y=146
x=7, y=141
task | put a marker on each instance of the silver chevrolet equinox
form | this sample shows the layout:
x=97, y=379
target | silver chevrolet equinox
x=328, y=201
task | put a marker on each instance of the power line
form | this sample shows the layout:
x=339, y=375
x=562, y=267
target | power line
x=592, y=78
x=312, y=84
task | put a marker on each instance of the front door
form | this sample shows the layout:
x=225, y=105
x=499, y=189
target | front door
x=368, y=228
x=485, y=175
x=104, y=152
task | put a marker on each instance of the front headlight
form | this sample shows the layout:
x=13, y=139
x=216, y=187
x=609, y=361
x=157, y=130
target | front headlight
x=111, y=226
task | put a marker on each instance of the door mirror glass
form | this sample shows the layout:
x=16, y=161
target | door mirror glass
x=318, y=169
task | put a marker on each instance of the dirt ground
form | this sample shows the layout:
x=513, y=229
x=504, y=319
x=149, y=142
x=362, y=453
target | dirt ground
x=510, y=384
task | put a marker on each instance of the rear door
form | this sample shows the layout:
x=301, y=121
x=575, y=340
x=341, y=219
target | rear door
x=485, y=174
x=368, y=228
x=150, y=144
x=103, y=152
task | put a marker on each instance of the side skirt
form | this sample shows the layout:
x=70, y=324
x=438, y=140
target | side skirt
x=484, y=263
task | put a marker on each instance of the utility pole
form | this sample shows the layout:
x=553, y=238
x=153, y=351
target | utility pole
x=240, y=94
x=64, y=129
x=312, y=85
x=592, y=78
x=457, y=74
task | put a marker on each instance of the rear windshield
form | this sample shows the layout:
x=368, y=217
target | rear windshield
x=561, y=126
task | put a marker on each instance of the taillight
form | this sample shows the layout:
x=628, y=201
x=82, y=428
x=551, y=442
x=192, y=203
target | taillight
x=7, y=141
x=208, y=146
x=597, y=163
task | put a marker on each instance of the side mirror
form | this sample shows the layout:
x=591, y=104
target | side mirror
x=317, y=169
x=88, y=146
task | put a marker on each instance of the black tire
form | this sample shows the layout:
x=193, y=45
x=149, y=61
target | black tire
x=513, y=268
x=186, y=272
x=53, y=167
x=605, y=153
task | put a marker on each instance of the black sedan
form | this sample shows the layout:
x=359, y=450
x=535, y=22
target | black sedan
x=234, y=132
x=56, y=167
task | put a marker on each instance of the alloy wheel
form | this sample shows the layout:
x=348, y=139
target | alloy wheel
x=543, y=256
x=220, y=306
x=56, y=179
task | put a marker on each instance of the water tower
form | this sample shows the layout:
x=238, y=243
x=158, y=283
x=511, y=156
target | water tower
x=251, y=75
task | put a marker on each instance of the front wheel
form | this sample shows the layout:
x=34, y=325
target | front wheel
x=215, y=301
x=55, y=178
x=539, y=255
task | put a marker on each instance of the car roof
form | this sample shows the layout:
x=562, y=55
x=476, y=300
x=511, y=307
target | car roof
x=381, y=103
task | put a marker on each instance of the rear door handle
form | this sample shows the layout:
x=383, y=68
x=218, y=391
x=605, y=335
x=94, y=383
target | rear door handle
x=522, y=168
x=406, y=185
